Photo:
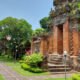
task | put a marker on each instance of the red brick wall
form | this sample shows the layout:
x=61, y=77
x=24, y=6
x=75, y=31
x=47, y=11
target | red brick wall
x=43, y=48
x=55, y=39
x=66, y=36
x=75, y=42
x=50, y=50
x=32, y=46
x=59, y=41
x=79, y=43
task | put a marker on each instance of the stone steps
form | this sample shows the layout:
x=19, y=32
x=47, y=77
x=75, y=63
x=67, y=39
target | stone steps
x=60, y=72
x=57, y=60
x=56, y=64
x=59, y=69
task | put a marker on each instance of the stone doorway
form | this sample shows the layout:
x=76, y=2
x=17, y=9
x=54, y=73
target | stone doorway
x=60, y=39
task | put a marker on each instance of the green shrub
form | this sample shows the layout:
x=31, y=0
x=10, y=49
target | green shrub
x=22, y=61
x=3, y=53
x=24, y=57
x=34, y=59
x=25, y=66
x=76, y=77
x=31, y=68
x=32, y=63
x=36, y=70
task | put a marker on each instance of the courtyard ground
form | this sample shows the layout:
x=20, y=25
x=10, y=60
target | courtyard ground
x=9, y=74
x=12, y=71
x=58, y=79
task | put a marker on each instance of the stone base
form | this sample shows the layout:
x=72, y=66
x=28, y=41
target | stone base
x=75, y=63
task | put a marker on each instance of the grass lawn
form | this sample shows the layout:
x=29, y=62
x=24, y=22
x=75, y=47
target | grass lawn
x=58, y=79
x=12, y=64
x=27, y=73
x=5, y=59
x=1, y=78
x=9, y=61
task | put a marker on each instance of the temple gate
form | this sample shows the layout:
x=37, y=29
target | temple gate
x=64, y=34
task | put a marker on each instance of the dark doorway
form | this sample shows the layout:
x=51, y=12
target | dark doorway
x=60, y=39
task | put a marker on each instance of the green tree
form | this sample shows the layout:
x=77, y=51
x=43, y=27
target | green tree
x=38, y=31
x=20, y=32
x=44, y=23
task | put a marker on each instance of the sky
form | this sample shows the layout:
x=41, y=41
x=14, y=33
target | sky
x=30, y=10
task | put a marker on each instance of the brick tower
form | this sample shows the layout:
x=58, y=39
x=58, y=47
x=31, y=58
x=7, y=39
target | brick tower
x=64, y=30
x=65, y=20
x=64, y=34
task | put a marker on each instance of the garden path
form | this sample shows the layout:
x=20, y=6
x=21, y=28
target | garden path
x=10, y=74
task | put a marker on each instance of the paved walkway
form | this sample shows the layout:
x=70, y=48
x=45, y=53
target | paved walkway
x=10, y=74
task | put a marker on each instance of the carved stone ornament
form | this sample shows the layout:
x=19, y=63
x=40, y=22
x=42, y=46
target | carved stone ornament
x=60, y=19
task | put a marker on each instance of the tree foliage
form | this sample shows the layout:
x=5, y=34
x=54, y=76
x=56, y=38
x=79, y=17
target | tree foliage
x=20, y=32
x=38, y=31
x=44, y=23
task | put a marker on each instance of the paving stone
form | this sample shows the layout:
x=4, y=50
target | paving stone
x=10, y=74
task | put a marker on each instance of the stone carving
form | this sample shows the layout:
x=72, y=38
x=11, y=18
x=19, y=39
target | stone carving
x=75, y=63
x=60, y=19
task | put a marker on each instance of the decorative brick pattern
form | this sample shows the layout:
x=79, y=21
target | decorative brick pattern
x=75, y=42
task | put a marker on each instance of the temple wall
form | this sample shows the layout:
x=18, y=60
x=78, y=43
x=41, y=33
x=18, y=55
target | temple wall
x=75, y=42
x=43, y=47
x=60, y=40
x=74, y=38
x=35, y=47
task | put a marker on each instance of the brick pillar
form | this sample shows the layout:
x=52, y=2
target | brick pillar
x=32, y=45
x=75, y=42
x=43, y=47
x=51, y=44
x=66, y=37
x=55, y=39
x=79, y=43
